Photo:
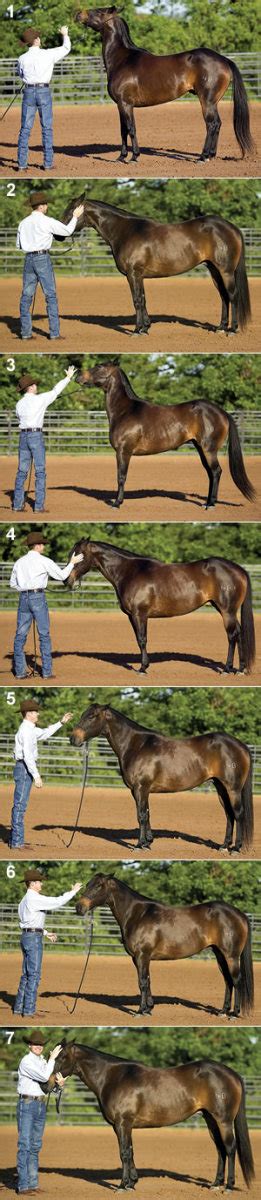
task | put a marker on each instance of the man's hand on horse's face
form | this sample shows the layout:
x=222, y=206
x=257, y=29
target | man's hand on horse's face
x=77, y=212
x=60, y=1079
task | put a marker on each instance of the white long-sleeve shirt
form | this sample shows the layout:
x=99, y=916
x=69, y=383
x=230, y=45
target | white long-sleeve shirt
x=36, y=231
x=36, y=65
x=34, y=906
x=31, y=409
x=33, y=1070
x=33, y=569
x=26, y=739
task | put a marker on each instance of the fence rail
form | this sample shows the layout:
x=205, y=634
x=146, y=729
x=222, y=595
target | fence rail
x=97, y=593
x=89, y=255
x=80, y=1107
x=83, y=80
x=87, y=432
x=59, y=763
x=106, y=934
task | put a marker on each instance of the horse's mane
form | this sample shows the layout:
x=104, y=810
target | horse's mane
x=134, y=724
x=124, y=553
x=128, y=388
x=135, y=894
x=102, y=1053
x=125, y=33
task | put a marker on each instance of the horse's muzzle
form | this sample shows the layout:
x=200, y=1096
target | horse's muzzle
x=83, y=906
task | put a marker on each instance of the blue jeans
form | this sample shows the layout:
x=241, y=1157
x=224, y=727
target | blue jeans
x=32, y=605
x=31, y=447
x=23, y=783
x=32, y=947
x=31, y=1118
x=36, y=99
x=38, y=268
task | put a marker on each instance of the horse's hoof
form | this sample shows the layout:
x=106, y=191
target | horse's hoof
x=122, y=158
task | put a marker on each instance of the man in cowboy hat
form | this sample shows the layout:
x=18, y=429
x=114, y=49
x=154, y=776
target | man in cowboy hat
x=30, y=411
x=33, y=1071
x=32, y=912
x=35, y=67
x=34, y=237
x=30, y=578
x=26, y=771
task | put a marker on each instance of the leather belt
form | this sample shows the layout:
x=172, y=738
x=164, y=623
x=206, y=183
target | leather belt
x=37, y=85
x=31, y=429
x=28, y=929
x=37, y=251
x=29, y=591
x=23, y=1096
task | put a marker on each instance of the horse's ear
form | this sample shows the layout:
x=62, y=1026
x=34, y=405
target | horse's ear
x=63, y=1043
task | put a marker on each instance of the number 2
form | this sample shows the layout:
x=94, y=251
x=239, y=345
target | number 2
x=10, y=188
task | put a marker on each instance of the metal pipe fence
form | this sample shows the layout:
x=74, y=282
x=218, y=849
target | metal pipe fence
x=90, y=256
x=80, y=1107
x=73, y=432
x=97, y=593
x=106, y=933
x=83, y=80
x=61, y=763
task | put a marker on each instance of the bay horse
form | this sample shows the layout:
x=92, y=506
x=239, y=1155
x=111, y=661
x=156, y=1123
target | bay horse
x=146, y=587
x=138, y=427
x=149, y=762
x=143, y=248
x=152, y=931
x=134, y=1096
x=136, y=78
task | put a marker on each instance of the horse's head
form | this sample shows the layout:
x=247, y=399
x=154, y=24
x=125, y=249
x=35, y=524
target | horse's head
x=99, y=375
x=67, y=216
x=96, y=18
x=81, y=568
x=89, y=725
x=64, y=1062
x=96, y=893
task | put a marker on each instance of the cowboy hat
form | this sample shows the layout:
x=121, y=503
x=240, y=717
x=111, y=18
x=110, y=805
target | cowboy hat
x=29, y=706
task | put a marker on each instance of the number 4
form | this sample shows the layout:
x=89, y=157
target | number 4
x=10, y=533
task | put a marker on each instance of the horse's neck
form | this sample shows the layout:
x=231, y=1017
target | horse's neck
x=107, y=562
x=114, y=51
x=106, y=223
x=91, y=1070
x=118, y=900
x=116, y=397
x=117, y=731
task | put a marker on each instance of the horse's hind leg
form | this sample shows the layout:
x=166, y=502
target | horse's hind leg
x=215, y=1135
x=210, y=462
x=213, y=125
x=231, y=287
x=228, y=1138
x=232, y=628
x=220, y=285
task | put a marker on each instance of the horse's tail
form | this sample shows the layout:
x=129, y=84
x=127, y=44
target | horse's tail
x=247, y=627
x=246, y=985
x=243, y=1143
x=236, y=462
x=247, y=819
x=243, y=297
x=241, y=111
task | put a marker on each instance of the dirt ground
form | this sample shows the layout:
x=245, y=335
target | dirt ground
x=184, y=992
x=173, y=1164
x=159, y=488
x=170, y=137
x=100, y=649
x=90, y=647
x=172, y=305
x=187, y=825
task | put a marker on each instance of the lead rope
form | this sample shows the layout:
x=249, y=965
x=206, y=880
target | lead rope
x=88, y=936
x=84, y=781
x=12, y=101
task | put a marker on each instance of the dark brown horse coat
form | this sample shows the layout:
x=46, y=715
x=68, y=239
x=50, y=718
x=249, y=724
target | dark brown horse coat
x=150, y=762
x=147, y=249
x=147, y=587
x=139, y=427
x=137, y=78
x=154, y=931
x=134, y=1096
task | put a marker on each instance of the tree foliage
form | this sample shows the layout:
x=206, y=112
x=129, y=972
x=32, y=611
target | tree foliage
x=238, y=1048
x=236, y=200
x=169, y=542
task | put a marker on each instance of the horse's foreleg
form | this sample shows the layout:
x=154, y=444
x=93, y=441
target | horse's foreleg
x=133, y=1169
x=122, y=470
x=138, y=295
x=139, y=624
x=123, y=1133
x=213, y=125
x=140, y=793
x=142, y=965
x=124, y=137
